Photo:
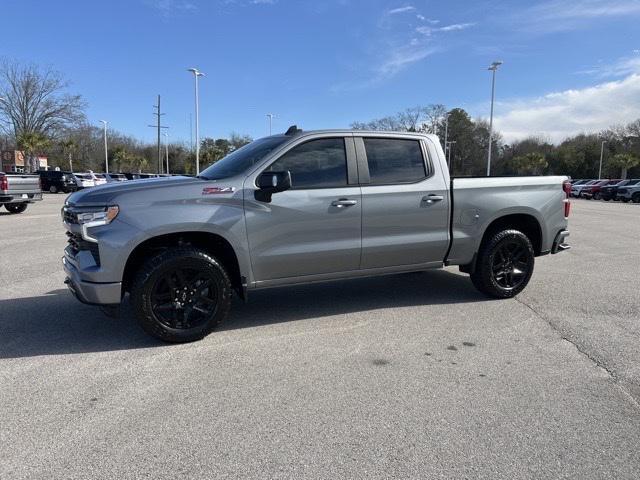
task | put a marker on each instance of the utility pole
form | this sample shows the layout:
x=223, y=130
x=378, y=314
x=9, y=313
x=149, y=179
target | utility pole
x=493, y=67
x=158, y=114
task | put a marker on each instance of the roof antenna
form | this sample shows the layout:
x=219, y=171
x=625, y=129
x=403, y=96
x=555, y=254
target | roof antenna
x=293, y=130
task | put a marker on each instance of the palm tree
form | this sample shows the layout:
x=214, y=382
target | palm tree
x=31, y=143
x=68, y=147
x=624, y=161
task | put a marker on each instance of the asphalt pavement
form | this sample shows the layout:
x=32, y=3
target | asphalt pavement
x=408, y=376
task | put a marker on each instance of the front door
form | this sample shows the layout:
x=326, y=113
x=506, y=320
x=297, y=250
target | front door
x=313, y=228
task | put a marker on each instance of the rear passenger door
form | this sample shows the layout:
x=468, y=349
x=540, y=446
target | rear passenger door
x=405, y=203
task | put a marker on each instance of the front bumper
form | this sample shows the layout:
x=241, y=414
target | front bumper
x=89, y=292
x=558, y=243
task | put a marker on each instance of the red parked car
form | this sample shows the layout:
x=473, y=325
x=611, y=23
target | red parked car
x=593, y=191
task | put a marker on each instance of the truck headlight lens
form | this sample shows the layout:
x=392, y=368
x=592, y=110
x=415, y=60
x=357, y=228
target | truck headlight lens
x=101, y=214
x=96, y=218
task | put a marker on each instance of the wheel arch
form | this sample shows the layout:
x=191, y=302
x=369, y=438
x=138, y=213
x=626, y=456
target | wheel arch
x=524, y=222
x=214, y=244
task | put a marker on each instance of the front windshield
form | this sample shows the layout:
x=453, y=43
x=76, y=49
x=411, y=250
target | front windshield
x=243, y=158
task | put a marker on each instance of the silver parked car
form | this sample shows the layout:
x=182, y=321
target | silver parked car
x=303, y=207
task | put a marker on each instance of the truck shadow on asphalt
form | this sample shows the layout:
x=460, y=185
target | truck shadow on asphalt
x=57, y=324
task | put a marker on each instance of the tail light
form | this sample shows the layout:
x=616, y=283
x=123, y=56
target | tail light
x=566, y=188
x=4, y=183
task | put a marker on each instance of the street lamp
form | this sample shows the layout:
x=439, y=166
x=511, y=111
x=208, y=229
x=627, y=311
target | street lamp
x=106, y=157
x=166, y=149
x=446, y=132
x=493, y=67
x=449, y=149
x=197, y=74
x=270, y=117
x=601, y=155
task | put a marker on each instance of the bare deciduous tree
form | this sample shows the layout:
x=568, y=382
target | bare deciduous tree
x=34, y=100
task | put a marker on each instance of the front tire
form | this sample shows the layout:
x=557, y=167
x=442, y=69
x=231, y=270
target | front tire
x=181, y=295
x=636, y=198
x=504, y=265
x=53, y=189
x=15, y=208
x=597, y=196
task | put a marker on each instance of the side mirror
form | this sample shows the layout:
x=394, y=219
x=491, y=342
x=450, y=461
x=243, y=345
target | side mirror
x=270, y=183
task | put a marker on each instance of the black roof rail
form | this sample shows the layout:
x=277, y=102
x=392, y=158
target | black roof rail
x=293, y=130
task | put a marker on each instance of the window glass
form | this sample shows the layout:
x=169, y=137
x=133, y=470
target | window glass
x=319, y=163
x=394, y=160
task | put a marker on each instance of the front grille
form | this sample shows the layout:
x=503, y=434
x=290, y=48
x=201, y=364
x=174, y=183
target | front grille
x=77, y=244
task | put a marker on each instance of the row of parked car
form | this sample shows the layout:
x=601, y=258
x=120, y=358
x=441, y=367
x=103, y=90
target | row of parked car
x=55, y=181
x=616, y=189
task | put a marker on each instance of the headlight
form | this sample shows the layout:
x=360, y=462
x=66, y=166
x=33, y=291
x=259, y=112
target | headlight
x=96, y=217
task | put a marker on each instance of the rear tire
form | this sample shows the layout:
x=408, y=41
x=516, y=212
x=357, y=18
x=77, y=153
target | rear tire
x=636, y=197
x=181, y=295
x=597, y=196
x=504, y=265
x=15, y=208
x=53, y=189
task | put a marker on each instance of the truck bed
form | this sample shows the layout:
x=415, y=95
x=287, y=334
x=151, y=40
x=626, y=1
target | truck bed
x=479, y=201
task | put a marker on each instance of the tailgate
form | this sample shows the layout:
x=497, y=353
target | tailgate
x=19, y=184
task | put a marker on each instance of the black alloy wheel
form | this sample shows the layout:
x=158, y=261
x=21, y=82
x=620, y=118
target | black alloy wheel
x=511, y=264
x=181, y=294
x=184, y=298
x=504, y=264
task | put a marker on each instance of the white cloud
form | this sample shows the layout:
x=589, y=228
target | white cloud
x=395, y=11
x=561, y=114
x=559, y=15
x=456, y=26
x=403, y=57
x=620, y=68
x=168, y=8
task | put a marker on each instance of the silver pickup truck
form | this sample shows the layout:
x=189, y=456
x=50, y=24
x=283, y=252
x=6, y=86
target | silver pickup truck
x=19, y=190
x=303, y=207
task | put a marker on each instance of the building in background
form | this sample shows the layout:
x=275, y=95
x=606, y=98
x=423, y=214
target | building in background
x=14, y=161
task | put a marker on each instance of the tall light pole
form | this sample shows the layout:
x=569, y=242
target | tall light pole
x=601, y=155
x=493, y=67
x=197, y=74
x=449, y=157
x=166, y=149
x=446, y=132
x=270, y=117
x=106, y=156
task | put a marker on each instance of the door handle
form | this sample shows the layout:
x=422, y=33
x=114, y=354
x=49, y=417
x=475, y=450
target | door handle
x=432, y=198
x=343, y=202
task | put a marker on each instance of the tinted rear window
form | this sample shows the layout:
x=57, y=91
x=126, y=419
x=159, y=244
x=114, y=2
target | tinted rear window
x=393, y=160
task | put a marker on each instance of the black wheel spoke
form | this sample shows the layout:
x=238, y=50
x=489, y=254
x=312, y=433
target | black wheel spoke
x=184, y=298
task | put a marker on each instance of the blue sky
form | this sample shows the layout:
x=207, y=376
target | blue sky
x=569, y=65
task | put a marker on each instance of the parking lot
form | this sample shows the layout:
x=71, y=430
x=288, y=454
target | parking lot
x=409, y=376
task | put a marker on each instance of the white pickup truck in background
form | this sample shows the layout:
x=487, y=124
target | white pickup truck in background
x=18, y=190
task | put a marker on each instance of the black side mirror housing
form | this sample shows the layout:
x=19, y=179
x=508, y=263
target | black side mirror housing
x=270, y=183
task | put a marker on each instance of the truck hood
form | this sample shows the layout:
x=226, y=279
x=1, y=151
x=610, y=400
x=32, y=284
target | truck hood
x=107, y=193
